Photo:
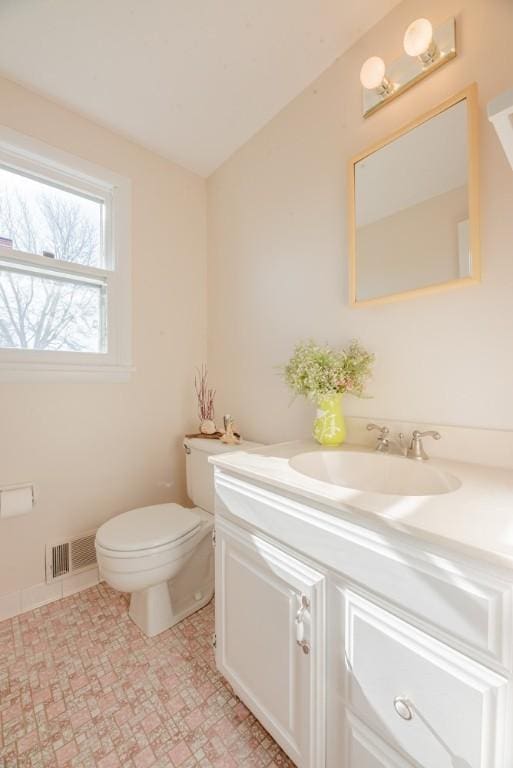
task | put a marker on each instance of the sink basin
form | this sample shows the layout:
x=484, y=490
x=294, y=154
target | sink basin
x=375, y=473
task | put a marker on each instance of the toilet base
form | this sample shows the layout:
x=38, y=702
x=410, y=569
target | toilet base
x=163, y=605
x=152, y=610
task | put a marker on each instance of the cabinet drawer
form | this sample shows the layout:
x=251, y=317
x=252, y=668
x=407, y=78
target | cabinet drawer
x=364, y=749
x=461, y=601
x=427, y=700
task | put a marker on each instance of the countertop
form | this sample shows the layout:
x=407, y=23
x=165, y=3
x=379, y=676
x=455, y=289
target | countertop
x=475, y=520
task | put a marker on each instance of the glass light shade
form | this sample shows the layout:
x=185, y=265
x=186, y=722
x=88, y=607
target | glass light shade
x=372, y=73
x=418, y=37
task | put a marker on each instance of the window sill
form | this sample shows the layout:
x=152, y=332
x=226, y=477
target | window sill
x=47, y=371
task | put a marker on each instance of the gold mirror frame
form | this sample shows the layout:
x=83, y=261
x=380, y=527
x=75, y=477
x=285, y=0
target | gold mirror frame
x=469, y=95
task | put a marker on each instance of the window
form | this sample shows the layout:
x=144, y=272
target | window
x=64, y=262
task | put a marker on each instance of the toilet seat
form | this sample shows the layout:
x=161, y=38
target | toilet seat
x=145, y=530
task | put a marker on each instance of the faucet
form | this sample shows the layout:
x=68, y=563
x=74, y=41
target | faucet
x=416, y=450
x=386, y=444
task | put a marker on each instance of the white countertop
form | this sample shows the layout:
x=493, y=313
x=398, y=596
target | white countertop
x=476, y=519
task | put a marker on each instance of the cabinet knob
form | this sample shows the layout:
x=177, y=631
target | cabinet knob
x=403, y=707
x=305, y=605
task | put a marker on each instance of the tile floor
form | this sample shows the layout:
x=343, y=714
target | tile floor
x=81, y=687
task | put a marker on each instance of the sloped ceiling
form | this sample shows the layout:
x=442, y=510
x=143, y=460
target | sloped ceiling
x=191, y=80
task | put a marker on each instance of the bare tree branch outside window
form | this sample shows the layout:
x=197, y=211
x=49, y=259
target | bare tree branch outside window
x=42, y=312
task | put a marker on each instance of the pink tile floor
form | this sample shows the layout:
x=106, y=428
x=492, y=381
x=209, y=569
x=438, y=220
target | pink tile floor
x=80, y=686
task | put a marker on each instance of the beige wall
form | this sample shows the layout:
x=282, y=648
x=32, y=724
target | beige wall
x=277, y=273
x=413, y=248
x=96, y=449
x=278, y=248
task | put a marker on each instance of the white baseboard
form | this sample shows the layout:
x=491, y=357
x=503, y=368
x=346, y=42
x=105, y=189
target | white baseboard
x=37, y=595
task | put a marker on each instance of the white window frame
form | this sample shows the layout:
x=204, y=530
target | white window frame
x=39, y=160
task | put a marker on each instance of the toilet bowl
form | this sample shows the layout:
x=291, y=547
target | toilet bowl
x=142, y=551
x=162, y=554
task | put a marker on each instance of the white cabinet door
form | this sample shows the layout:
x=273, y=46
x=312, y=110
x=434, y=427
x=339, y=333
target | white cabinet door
x=270, y=639
x=430, y=702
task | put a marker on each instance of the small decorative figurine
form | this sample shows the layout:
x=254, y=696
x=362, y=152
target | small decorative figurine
x=205, y=397
x=228, y=436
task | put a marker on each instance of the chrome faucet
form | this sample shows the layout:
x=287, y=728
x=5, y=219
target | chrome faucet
x=382, y=440
x=386, y=444
x=416, y=450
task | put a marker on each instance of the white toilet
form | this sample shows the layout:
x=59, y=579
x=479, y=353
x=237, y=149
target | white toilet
x=163, y=554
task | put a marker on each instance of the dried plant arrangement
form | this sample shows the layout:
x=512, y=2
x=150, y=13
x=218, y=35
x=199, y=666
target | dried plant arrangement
x=205, y=397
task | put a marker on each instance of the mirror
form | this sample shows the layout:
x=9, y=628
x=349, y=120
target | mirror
x=414, y=207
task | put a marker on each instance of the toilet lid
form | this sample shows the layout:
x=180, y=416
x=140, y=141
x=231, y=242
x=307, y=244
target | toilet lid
x=147, y=527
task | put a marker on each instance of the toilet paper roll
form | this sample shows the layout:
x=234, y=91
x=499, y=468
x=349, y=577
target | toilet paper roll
x=16, y=501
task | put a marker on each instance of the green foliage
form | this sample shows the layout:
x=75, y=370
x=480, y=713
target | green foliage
x=316, y=371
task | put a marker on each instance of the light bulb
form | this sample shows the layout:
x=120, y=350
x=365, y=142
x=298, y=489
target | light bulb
x=418, y=37
x=372, y=73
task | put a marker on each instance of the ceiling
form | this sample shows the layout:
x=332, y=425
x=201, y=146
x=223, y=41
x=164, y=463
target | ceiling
x=191, y=80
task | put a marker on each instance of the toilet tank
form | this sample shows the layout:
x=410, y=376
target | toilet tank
x=200, y=474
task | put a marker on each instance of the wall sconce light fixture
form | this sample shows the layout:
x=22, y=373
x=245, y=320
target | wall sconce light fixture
x=426, y=49
x=418, y=41
x=372, y=76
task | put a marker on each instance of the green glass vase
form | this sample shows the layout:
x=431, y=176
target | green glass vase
x=330, y=426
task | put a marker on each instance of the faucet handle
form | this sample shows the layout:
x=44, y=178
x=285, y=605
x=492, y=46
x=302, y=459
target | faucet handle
x=382, y=443
x=383, y=430
x=429, y=433
x=416, y=449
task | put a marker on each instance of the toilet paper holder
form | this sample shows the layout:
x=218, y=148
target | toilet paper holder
x=18, y=487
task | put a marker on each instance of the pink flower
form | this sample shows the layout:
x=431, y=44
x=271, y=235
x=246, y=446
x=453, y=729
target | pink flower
x=346, y=384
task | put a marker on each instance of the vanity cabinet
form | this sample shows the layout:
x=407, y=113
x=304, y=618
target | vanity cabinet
x=270, y=642
x=431, y=702
x=410, y=648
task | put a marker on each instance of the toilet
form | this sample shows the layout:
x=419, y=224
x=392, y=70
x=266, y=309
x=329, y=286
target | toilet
x=162, y=554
